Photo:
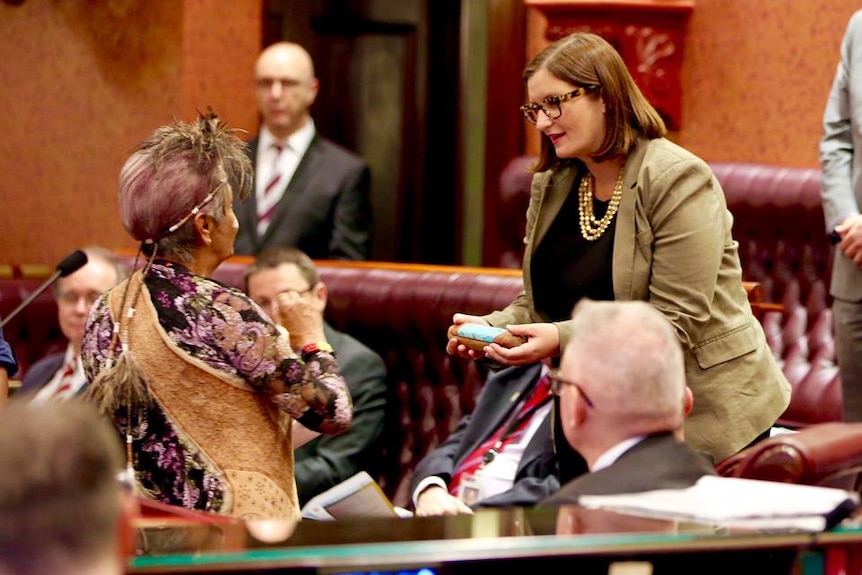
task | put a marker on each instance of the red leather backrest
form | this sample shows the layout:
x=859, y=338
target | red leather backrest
x=827, y=454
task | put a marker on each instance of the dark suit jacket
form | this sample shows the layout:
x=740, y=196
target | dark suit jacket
x=325, y=210
x=41, y=372
x=536, y=476
x=330, y=459
x=658, y=462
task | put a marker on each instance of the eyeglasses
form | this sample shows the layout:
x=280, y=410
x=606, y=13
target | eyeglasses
x=557, y=383
x=265, y=302
x=551, y=105
x=266, y=83
x=299, y=292
x=71, y=298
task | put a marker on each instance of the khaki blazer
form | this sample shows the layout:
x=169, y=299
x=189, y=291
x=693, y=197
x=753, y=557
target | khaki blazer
x=673, y=248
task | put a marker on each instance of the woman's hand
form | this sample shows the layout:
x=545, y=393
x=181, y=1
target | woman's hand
x=436, y=501
x=301, y=317
x=850, y=231
x=453, y=347
x=543, y=341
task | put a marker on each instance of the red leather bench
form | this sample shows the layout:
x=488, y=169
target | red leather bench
x=825, y=454
x=402, y=311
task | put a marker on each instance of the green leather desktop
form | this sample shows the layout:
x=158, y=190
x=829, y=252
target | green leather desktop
x=515, y=540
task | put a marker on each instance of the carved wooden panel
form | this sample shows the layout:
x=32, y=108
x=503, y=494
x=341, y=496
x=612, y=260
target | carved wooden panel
x=649, y=34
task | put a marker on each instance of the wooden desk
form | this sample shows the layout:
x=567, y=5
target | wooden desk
x=514, y=540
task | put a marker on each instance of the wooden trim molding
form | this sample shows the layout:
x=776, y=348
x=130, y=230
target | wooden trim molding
x=649, y=34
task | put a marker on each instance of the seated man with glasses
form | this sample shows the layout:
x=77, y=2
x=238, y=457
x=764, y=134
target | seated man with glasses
x=623, y=401
x=501, y=454
x=323, y=461
x=61, y=375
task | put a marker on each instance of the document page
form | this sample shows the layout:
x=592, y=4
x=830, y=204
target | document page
x=728, y=499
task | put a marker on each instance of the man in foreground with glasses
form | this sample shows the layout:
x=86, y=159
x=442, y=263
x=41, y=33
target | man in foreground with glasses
x=61, y=375
x=320, y=462
x=623, y=401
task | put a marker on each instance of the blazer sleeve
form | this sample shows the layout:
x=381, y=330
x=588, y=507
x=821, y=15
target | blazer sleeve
x=688, y=233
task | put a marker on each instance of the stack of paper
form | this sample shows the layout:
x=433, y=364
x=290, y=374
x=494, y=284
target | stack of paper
x=744, y=502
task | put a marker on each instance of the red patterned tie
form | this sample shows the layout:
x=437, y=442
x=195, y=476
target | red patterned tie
x=267, y=204
x=538, y=396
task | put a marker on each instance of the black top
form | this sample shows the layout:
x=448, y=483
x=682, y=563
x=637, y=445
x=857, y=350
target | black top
x=566, y=267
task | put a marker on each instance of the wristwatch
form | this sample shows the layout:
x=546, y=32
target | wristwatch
x=312, y=348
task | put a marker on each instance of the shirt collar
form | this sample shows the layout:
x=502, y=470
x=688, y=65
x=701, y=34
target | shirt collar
x=299, y=141
x=610, y=456
x=70, y=355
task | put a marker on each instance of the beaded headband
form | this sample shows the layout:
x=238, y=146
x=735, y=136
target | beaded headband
x=194, y=211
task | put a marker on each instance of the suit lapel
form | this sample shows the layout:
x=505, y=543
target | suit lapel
x=246, y=211
x=509, y=395
x=625, y=242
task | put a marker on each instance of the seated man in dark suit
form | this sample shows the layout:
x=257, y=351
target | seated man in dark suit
x=62, y=508
x=501, y=454
x=324, y=461
x=623, y=400
x=309, y=193
x=61, y=375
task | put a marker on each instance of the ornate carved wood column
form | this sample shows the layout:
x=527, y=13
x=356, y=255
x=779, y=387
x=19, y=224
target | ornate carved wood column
x=649, y=34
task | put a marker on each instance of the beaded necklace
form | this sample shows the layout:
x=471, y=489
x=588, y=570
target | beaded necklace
x=591, y=228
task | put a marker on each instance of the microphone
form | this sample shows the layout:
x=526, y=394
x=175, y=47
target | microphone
x=68, y=265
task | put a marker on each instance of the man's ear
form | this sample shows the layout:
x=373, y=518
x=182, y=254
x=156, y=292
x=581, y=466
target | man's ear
x=688, y=401
x=203, y=228
x=315, y=88
x=582, y=410
x=320, y=294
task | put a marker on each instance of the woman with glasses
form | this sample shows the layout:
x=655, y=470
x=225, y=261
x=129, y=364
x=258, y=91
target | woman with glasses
x=618, y=212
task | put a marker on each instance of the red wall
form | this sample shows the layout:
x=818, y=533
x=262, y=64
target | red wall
x=755, y=78
x=82, y=82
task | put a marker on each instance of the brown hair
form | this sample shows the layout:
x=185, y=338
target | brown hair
x=274, y=257
x=585, y=59
x=60, y=502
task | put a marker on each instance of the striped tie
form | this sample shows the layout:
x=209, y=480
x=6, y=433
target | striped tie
x=266, y=205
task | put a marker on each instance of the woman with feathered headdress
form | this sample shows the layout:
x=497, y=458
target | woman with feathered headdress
x=198, y=380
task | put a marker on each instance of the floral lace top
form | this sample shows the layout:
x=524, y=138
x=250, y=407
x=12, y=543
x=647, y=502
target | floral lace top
x=222, y=327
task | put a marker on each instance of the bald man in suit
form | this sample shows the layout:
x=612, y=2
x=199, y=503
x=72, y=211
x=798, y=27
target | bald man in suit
x=310, y=193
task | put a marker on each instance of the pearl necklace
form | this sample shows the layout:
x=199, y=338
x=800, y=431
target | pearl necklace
x=591, y=228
